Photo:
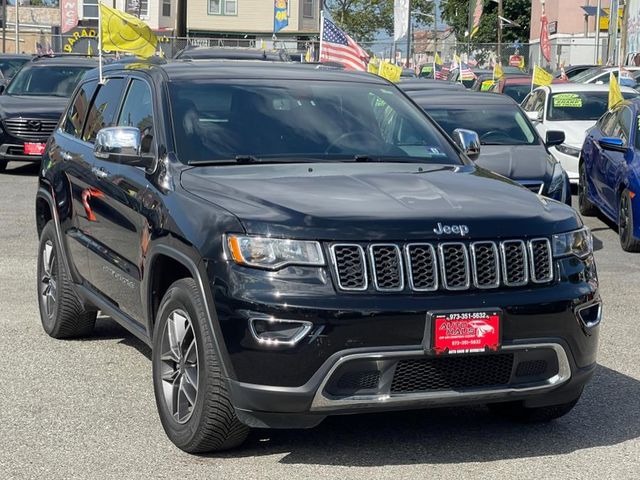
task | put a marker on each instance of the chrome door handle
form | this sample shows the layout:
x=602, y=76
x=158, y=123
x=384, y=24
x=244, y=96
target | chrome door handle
x=100, y=172
x=66, y=156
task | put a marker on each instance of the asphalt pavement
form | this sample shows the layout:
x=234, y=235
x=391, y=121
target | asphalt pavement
x=85, y=408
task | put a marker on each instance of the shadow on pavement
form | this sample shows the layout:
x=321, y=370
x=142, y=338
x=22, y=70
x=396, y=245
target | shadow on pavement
x=22, y=169
x=607, y=414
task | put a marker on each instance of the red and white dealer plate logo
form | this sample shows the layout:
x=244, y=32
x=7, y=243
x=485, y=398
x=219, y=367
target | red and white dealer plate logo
x=466, y=332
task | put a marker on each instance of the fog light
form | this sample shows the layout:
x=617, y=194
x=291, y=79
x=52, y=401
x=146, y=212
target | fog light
x=590, y=315
x=276, y=332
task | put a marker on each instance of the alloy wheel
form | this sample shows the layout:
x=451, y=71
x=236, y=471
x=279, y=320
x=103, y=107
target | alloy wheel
x=179, y=366
x=49, y=281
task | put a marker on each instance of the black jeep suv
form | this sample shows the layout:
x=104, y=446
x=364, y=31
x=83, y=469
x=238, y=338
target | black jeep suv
x=295, y=243
x=33, y=102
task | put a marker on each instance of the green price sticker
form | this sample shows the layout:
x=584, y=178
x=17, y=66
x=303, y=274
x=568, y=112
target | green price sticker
x=567, y=100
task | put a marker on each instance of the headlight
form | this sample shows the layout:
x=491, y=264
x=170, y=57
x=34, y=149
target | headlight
x=568, y=150
x=273, y=253
x=578, y=243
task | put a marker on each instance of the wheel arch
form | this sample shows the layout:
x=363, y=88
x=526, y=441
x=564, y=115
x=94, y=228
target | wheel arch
x=165, y=258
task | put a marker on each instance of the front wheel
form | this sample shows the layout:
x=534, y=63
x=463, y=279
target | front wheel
x=191, y=393
x=625, y=224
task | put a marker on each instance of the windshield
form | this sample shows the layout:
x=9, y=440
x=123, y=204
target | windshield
x=503, y=125
x=587, y=74
x=9, y=66
x=517, y=92
x=56, y=81
x=294, y=119
x=579, y=106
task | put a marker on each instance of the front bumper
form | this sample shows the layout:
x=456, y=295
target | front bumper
x=13, y=152
x=296, y=386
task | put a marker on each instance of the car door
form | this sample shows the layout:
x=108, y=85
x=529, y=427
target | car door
x=135, y=201
x=612, y=163
x=592, y=153
x=67, y=152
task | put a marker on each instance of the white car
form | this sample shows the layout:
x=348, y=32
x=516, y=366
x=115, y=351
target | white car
x=600, y=75
x=572, y=108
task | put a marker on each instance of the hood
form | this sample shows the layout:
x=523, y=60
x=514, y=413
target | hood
x=518, y=162
x=27, y=106
x=346, y=201
x=574, y=132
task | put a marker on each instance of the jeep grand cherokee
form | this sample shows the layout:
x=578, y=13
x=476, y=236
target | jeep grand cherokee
x=296, y=243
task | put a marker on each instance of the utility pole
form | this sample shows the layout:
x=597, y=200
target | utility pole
x=596, y=59
x=408, y=35
x=500, y=15
x=4, y=26
x=435, y=31
x=17, y=26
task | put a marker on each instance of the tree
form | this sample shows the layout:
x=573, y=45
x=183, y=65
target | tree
x=456, y=14
x=362, y=19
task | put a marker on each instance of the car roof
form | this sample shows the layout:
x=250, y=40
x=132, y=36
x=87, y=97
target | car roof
x=464, y=98
x=582, y=87
x=517, y=80
x=427, y=84
x=60, y=60
x=225, y=53
x=177, y=70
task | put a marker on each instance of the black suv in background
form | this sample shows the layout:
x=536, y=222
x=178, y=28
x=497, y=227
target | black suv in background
x=295, y=243
x=31, y=105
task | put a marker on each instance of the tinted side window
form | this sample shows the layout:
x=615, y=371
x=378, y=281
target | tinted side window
x=137, y=111
x=77, y=112
x=624, y=119
x=104, y=108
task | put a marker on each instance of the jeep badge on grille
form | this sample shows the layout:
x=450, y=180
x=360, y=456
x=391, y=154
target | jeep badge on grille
x=461, y=230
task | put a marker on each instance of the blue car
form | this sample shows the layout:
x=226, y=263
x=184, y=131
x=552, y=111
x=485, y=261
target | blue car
x=609, y=171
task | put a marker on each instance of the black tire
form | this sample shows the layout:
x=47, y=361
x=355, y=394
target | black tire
x=625, y=224
x=517, y=412
x=208, y=423
x=61, y=311
x=585, y=206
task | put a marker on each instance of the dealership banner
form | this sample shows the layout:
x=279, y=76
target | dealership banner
x=68, y=15
x=400, y=19
x=280, y=15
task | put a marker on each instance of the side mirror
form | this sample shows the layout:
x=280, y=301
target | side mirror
x=534, y=116
x=613, y=144
x=468, y=141
x=554, y=137
x=122, y=144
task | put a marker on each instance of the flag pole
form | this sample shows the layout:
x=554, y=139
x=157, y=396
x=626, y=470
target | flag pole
x=100, y=42
x=321, y=34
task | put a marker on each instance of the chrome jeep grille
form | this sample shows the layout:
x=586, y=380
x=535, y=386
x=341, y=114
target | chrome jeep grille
x=453, y=266
x=30, y=129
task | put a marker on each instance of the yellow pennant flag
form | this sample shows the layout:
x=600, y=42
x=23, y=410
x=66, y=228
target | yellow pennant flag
x=615, y=95
x=121, y=32
x=541, y=77
x=521, y=64
x=390, y=72
x=374, y=65
x=498, y=73
x=438, y=60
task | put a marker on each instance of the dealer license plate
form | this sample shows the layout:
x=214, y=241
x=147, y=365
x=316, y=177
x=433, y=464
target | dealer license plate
x=34, y=148
x=465, y=331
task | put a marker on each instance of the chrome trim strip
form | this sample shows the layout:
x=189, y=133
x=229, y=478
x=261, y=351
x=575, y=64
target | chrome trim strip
x=474, y=265
x=306, y=328
x=322, y=402
x=578, y=313
x=407, y=254
x=503, y=255
x=335, y=266
x=532, y=266
x=374, y=272
x=443, y=266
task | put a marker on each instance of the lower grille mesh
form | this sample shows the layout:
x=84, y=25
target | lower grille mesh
x=447, y=373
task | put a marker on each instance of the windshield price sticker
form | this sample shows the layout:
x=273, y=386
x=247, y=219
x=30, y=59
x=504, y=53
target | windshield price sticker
x=567, y=100
x=466, y=332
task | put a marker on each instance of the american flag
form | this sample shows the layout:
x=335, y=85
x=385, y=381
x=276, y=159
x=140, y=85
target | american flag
x=337, y=46
x=465, y=72
x=442, y=71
